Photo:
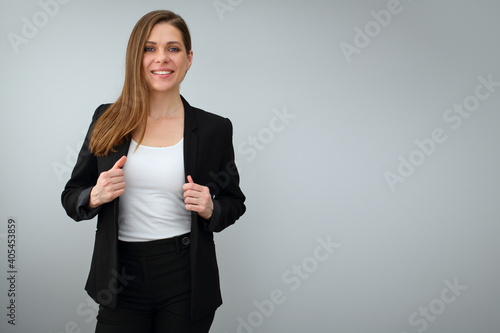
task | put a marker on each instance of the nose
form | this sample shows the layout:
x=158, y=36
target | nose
x=162, y=56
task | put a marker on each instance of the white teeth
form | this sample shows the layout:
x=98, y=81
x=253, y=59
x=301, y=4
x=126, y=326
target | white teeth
x=161, y=72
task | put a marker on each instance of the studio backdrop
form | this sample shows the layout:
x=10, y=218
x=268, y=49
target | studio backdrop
x=367, y=138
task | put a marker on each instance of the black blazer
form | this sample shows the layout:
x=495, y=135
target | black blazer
x=209, y=159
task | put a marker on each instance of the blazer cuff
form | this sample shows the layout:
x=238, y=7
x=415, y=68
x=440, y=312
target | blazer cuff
x=214, y=220
x=82, y=205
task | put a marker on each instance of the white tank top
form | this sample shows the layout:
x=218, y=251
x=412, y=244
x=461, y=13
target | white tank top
x=152, y=206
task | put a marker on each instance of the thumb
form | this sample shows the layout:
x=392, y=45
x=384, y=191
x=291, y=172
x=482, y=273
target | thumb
x=120, y=163
x=190, y=179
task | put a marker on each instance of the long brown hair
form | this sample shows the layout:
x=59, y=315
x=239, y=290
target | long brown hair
x=131, y=108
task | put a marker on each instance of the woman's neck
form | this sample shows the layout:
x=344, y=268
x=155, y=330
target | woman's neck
x=164, y=104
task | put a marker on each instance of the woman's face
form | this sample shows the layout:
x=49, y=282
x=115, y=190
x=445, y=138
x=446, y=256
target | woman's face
x=165, y=60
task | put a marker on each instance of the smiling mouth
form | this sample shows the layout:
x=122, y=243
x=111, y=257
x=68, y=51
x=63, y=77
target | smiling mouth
x=162, y=72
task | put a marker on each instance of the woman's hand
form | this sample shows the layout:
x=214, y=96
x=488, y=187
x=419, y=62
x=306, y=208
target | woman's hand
x=198, y=199
x=109, y=186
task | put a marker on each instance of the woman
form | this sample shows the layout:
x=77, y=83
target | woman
x=160, y=176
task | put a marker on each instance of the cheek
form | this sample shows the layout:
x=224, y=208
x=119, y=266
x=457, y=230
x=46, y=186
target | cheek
x=144, y=63
x=145, y=69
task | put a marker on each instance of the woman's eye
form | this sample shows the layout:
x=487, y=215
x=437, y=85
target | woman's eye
x=174, y=49
x=149, y=49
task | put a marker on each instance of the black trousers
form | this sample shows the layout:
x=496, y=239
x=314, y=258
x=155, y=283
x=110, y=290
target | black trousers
x=156, y=295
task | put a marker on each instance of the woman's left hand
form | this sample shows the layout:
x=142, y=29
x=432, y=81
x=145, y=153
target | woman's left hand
x=198, y=199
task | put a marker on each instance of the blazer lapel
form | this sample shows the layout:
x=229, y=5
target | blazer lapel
x=190, y=140
x=110, y=160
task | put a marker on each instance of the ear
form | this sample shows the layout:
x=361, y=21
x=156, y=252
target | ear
x=190, y=59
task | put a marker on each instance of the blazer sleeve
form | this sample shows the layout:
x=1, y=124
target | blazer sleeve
x=76, y=194
x=229, y=200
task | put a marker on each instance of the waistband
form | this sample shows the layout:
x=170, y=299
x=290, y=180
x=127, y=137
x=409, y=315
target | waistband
x=160, y=246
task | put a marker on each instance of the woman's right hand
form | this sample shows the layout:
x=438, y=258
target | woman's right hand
x=110, y=185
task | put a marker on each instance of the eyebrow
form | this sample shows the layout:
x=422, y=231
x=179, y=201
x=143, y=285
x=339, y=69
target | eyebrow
x=168, y=43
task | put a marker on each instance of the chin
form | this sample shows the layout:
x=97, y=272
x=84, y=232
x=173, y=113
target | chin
x=162, y=89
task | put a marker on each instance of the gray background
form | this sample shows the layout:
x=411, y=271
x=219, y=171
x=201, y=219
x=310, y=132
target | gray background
x=318, y=176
